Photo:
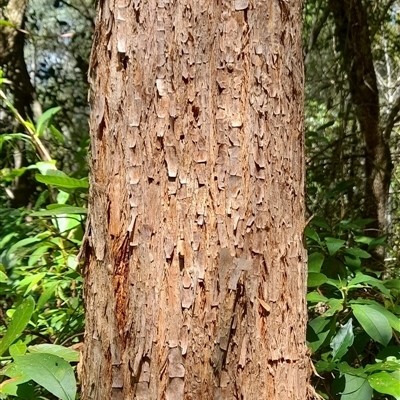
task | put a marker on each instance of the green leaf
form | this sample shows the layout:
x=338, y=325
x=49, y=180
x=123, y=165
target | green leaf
x=31, y=281
x=316, y=279
x=392, y=284
x=315, y=297
x=44, y=119
x=20, y=320
x=51, y=372
x=334, y=244
x=56, y=133
x=335, y=306
x=46, y=295
x=381, y=241
x=345, y=368
x=357, y=252
x=311, y=234
x=60, y=210
x=315, y=261
x=342, y=340
x=18, y=385
x=388, y=366
x=320, y=222
x=17, y=349
x=23, y=243
x=356, y=388
x=374, y=323
x=3, y=277
x=318, y=331
x=62, y=181
x=393, y=320
x=386, y=383
x=352, y=262
x=369, y=280
x=66, y=353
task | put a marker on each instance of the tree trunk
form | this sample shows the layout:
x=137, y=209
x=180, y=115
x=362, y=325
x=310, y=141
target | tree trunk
x=195, y=267
x=352, y=32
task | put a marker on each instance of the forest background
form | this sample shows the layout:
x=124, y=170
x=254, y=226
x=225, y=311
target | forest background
x=352, y=104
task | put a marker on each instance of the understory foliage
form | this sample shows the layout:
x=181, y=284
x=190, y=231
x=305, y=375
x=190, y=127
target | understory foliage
x=354, y=310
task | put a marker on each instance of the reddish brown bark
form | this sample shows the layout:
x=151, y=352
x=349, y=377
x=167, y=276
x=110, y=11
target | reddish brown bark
x=195, y=267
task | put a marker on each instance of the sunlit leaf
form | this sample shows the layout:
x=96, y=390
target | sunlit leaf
x=19, y=321
x=356, y=388
x=51, y=372
x=386, y=383
x=44, y=119
x=66, y=353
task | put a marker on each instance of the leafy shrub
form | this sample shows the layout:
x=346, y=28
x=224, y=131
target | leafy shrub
x=353, y=316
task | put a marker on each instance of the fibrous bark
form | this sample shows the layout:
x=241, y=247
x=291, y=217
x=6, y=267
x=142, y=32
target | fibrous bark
x=195, y=267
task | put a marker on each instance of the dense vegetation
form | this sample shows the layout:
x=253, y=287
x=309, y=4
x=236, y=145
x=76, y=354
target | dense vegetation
x=354, y=276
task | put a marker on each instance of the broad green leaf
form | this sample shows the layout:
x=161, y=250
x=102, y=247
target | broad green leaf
x=17, y=349
x=369, y=280
x=386, y=383
x=320, y=222
x=316, y=279
x=392, y=284
x=60, y=211
x=352, y=262
x=44, y=166
x=363, y=239
x=63, y=181
x=311, y=234
x=345, y=368
x=20, y=320
x=315, y=261
x=381, y=241
x=3, y=277
x=387, y=365
x=44, y=119
x=335, y=305
x=19, y=385
x=374, y=323
x=357, y=252
x=342, y=340
x=315, y=297
x=394, y=321
x=51, y=372
x=356, y=388
x=66, y=353
x=334, y=244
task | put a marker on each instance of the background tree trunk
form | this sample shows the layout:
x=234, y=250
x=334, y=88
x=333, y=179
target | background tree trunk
x=354, y=41
x=195, y=267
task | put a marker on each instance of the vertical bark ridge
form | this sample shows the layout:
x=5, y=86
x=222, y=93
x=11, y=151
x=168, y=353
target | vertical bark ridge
x=195, y=282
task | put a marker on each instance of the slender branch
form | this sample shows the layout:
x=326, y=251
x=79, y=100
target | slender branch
x=392, y=118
